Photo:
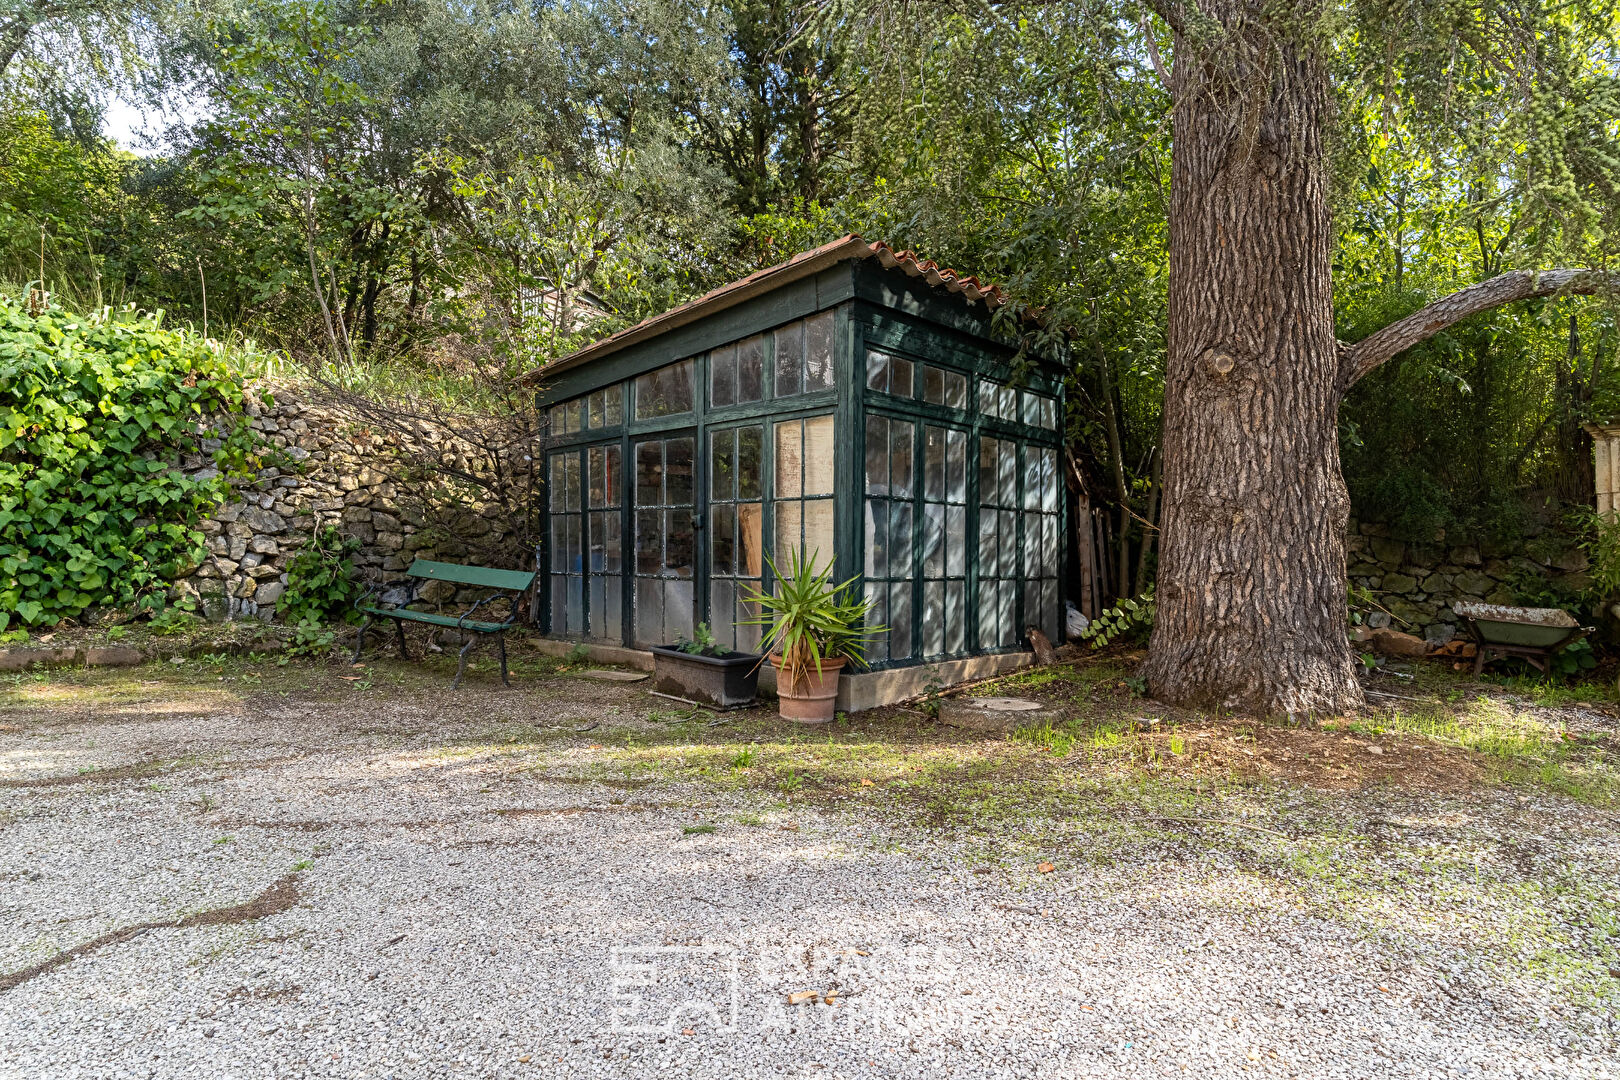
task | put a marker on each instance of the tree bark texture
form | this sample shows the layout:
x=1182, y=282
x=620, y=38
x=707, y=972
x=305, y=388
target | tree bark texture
x=1251, y=584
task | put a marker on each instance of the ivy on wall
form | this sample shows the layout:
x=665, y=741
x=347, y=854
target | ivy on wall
x=95, y=413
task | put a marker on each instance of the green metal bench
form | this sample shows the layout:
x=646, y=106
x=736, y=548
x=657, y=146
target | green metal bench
x=506, y=584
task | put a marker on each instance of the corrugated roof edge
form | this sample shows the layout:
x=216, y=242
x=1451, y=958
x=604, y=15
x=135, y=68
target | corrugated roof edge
x=802, y=265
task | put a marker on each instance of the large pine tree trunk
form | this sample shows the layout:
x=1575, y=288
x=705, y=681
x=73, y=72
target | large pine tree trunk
x=1251, y=584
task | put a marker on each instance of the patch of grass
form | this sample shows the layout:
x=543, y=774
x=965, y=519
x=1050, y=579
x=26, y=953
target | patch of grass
x=223, y=840
x=1522, y=748
x=745, y=758
x=698, y=830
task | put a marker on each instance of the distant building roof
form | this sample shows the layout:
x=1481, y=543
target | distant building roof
x=802, y=265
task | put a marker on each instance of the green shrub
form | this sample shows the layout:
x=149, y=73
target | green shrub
x=321, y=585
x=1127, y=619
x=94, y=415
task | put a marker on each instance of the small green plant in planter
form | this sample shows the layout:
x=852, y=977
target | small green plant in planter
x=701, y=643
x=813, y=629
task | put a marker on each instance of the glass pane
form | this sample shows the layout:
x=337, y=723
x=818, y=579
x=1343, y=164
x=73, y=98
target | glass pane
x=649, y=541
x=750, y=364
x=955, y=617
x=722, y=458
x=899, y=377
x=559, y=544
x=1007, y=403
x=665, y=392
x=934, y=385
x=723, y=376
x=608, y=527
x=1049, y=608
x=576, y=604
x=1008, y=613
x=1032, y=550
x=988, y=636
x=956, y=466
x=1049, y=419
x=750, y=539
x=723, y=538
x=597, y=594
x=555, y=481
x=1031, y=409
x=595, y=409
x=1007, y=452
x=678, y=472
x=596, y=475
x=989, y=552
x=818, y=532
x=559, y=604
x=790, y=360
x=649, y=473
x=933, y=618
x=987, y=471
x=613, y=610
x=1049, y=481
x=789, y=530
x=900, y=540
x=933, y=463
x=748, y=636
x=877, y=594
x=818, y=352
x=749, y=441
x=877, y=538
x=877, y=455
x=933, y=540
x=722, y=611
x=877, y=371
x=679, y=546
x=554, y=422
x=572, y=415
x=819, y=455
x=678, y=610
x=956, y=540
x=900, y=620
x=650, y=611
x=956, y=390
x=789, y=459
x=900, y=439
x=613, y=406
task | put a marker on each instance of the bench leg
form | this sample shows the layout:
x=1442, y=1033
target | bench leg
x=500, y=643
x=399, y=627
x=360, y=638
x=1479, y=660
x=462, y=666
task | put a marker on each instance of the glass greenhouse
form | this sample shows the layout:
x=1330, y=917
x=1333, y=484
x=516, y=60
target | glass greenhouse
x=852, y=405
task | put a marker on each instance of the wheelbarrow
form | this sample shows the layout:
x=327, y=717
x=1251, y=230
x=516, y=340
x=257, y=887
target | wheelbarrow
x=1537, y=634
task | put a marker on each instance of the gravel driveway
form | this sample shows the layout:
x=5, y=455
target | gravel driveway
x=373, y=887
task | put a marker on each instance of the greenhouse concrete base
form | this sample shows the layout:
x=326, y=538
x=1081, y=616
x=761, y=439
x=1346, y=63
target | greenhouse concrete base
x=856, y=693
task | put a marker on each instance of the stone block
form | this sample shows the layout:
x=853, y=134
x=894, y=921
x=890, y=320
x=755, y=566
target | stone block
x=390, y=541
x=243, y=587
x=18, y=658
x=264, y=521
x=1387, y=551
x=238, y=528
x=269, y=593
x=1398, y=583
x=1465, y=556
x=113, y=656
x=355, y=514
x=228, y=513
x=1395, y=643
x=261, y=572
x=264, y=545
x=238, y=548
x=1474, y=583
x=1439, y=633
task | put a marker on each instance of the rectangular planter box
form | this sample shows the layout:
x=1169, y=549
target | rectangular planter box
x=726, y=682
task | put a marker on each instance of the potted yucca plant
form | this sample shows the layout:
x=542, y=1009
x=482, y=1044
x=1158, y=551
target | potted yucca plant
x=814, y=629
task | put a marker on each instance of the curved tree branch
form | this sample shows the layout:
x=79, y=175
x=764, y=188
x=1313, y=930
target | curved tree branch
x=1365, y=355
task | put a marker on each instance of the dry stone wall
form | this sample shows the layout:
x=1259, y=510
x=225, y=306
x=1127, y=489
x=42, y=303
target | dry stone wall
x=1417, y=583
x=340, y=472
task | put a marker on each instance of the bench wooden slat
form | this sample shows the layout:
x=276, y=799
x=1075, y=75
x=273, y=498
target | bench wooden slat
x=481, y=576
x=435, y=619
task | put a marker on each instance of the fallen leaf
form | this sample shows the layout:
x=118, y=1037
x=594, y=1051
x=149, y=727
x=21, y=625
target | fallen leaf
x=790, y=827
x=524, y=1060
x=1045, y=868
x=828, y=996
x=801, y=997
x=1383, y=989
x=350, y=678
x=688, y=1031
x=865, y=782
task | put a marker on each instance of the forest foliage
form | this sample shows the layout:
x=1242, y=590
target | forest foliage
x=460, y=191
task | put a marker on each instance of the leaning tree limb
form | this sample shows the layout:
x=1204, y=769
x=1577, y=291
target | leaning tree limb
x=1357, y=360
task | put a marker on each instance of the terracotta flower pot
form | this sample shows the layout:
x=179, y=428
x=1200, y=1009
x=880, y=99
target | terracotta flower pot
x=814, y=699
